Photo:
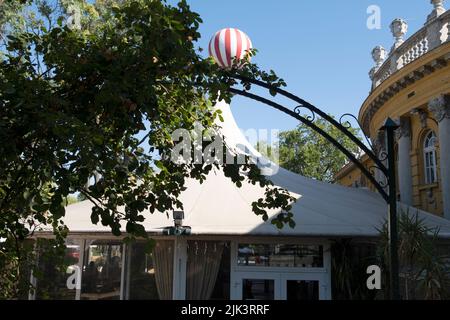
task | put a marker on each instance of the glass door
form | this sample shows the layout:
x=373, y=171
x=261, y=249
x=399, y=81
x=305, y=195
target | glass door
x=308, y=287
x=258, y=289
x=280, y=286
x=102, y=270
x=257, y=286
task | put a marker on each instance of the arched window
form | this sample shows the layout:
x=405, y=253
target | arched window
x=429, y=152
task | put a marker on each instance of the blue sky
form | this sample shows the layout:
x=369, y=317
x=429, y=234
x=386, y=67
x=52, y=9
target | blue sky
x=321, y=48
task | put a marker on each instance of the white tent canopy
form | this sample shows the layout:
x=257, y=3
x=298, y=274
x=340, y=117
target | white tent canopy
x=218, y=207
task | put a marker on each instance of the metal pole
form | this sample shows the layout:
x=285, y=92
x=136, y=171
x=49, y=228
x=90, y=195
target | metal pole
x=390, y=126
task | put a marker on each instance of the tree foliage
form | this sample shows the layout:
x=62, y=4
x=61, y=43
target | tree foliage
x=79, y=83
x=423, y=265
x=349, y=269
x=306, y=152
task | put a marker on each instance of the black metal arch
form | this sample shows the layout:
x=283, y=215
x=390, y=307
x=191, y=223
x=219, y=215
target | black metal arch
x=309, y=121
x=386, y=189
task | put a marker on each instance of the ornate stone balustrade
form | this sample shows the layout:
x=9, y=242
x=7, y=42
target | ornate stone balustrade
x=414, y=48
x=435, y=32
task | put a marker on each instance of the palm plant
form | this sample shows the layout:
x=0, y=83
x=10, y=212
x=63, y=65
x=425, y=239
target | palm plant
x=423, y=269
x=348, y=268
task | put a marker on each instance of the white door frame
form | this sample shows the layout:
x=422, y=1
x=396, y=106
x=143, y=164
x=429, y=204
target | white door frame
x=280, y=282
x=280, y=275
x=179, y=268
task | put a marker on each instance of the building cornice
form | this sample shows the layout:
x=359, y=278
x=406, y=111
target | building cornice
x=421, y=68
x=349, y=167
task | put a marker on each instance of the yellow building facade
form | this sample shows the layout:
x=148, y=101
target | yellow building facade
x=411, y=84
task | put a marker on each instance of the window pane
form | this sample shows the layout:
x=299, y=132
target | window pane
x=430, y=140
x=52, y=282
x=253, y=255
x=149, y=274
x=141, y=272
x=430, y=158
x=281, y=255
x=203, y=268
x=309, y=257
x=101, y=271
x=258, y=289
x=430, y=167
x=222, y=287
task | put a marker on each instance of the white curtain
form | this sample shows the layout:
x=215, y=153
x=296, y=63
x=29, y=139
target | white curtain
x=202, y=268
x=163, y=259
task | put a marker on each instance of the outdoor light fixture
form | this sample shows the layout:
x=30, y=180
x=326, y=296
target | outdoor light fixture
x=178, y=217
x=178, y=229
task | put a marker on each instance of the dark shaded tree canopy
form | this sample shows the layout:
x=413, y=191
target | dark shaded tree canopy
x=306, y=152
x=79, y=82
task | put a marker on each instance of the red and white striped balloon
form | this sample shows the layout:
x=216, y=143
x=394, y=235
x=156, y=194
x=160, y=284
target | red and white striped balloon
x=227, y=44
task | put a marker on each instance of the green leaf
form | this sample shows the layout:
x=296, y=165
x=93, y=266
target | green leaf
x=83, y=106
x=130, y=227
x=60, y=21
x=94, y=216
x=116, y=230
x=140, y=231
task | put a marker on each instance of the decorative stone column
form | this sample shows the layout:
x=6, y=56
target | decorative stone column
x=440, y=108
x=399, y=27
x=379, y=55
x=438, y=9
x=404, y=161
